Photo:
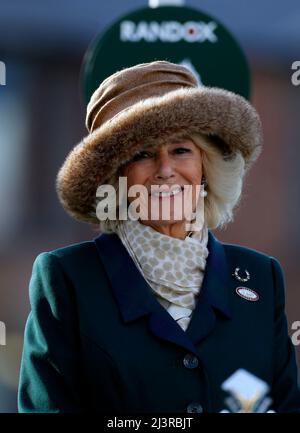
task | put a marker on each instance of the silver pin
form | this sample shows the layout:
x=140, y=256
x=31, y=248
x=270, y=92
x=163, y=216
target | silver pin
x=248, y=294
x=239, y=278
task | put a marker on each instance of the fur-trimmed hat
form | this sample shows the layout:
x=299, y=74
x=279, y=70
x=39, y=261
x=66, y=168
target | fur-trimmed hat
x=143, y=105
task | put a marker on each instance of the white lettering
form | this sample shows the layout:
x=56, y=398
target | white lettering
x=121, y=423
x=176, y=205
x=127, y=29
x=173, y=31
x=2, y=74
x=154, y=32
x=107, y=194
x=2, y=334
x=296, y=75
x=296, y=335
x=168, y=31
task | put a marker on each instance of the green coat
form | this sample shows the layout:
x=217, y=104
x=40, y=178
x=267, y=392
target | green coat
x=97, y=339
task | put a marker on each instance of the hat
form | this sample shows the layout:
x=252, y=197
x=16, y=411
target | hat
x=144, y=105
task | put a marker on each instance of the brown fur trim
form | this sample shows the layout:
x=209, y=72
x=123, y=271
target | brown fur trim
x=97, y=157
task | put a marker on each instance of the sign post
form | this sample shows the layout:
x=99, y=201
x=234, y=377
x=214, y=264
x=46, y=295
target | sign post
x=178, y=34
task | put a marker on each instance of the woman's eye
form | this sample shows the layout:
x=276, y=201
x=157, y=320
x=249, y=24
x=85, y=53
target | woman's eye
x=141, y=155
x=182, y=150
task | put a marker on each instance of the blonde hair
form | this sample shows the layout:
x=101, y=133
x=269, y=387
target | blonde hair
x=224, y=173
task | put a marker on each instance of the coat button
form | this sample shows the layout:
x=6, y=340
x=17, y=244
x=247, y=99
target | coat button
x=194, y=408
x=190, y=361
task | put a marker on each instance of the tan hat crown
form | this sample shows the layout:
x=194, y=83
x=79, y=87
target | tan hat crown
x=125, y=88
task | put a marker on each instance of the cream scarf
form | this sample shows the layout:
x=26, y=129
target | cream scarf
x=174, y=268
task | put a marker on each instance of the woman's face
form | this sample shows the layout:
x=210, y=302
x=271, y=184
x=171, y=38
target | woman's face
x=175, y=163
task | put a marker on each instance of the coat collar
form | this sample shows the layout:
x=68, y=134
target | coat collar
x=135, y=297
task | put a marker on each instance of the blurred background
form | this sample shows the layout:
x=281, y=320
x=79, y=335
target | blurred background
x=42, y=44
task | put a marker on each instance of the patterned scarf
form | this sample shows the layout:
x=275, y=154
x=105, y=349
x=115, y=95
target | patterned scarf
x=174, y=268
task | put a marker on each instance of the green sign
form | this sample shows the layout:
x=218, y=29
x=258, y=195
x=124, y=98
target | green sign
x=178, y=34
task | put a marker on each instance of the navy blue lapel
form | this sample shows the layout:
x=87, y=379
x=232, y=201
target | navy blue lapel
x=135, y=297
x=214, y=294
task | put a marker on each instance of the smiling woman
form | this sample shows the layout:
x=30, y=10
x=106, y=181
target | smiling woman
x=221, y=173
x=169, y=166
x=151, y=316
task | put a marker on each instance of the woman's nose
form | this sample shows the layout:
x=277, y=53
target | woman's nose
x=164, y=168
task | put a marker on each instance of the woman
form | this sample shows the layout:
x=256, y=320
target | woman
x=154, y=314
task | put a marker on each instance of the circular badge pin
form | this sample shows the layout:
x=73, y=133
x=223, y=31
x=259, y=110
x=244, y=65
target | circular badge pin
x=248, y=294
